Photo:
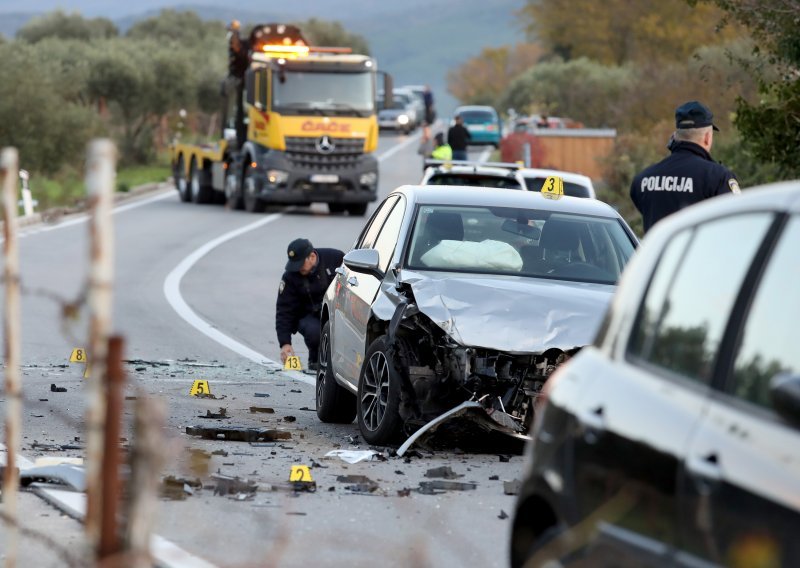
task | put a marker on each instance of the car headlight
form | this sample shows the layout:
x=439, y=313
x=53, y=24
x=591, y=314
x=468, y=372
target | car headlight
x=369, y=178
x=277, y=177
x=402, y=119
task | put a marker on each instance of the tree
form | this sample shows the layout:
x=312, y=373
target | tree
x=186, y=29
x=60, y=25
x=771, y=126
x=332, y=34
x=580, y=89
x=482, y=80
x=142, y=81
x=48, y=130
x=619, y=31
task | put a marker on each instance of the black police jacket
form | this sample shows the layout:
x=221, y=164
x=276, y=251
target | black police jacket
x=458, y=137
x=685, y=177
x=299, y=296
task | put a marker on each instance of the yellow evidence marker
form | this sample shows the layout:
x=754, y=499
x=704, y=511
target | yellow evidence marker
x=300, y=479
x=199, y=387
x=79, y=355
x=553, y=187
x=300, y=473
x=293, y=364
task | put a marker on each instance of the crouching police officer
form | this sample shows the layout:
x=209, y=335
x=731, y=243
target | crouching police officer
x=688, y=175
x=302, y=287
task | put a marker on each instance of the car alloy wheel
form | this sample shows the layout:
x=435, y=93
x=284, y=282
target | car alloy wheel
x=379, y=395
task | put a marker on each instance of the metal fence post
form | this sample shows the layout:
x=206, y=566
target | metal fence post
x=100, y=173
x=9, y=160
x=147, y=459
x=526, y=154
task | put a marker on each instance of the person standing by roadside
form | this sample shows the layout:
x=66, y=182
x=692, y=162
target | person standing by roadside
x=309, y=271
x=425, y=148
x=458, y=138
x=441, y=151
x=688, y=175
x=430, y=111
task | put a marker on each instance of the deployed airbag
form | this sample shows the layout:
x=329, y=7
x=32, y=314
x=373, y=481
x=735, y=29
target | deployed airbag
x=471, y=255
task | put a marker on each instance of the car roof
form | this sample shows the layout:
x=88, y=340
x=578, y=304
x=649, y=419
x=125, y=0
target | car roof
x=497, y=197
x=475, y=107
x=566, y=176
x=476, y=169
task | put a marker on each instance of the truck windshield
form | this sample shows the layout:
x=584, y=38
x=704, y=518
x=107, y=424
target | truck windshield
x=347, y=94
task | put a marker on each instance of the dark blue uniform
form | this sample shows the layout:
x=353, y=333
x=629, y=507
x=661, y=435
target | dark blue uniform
x=300, y=300
x=689, y=175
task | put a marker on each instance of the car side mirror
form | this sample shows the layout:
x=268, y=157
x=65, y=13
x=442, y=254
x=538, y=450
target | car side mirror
x=784, y=390
x=366, y=261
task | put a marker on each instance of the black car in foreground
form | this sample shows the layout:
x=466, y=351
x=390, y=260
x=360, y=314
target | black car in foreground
x=675, y=439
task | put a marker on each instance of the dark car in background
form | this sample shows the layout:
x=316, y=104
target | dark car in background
x=675, y=439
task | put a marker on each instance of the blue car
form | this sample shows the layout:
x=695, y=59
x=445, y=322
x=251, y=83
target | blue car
x=483, y=124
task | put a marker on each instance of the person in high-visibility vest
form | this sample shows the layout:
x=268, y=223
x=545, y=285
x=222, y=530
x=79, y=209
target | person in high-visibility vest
x=441, y=151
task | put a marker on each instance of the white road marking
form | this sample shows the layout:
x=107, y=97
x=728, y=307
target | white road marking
x=485, y=154
x=172, y=289
x=83, y=218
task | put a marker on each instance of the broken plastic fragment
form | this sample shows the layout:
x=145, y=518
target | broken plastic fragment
x=352, y=456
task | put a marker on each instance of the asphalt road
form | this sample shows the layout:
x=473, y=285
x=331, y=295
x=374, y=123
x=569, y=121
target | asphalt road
x=172, y=269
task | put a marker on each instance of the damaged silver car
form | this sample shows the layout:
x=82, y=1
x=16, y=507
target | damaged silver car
x=458, y=296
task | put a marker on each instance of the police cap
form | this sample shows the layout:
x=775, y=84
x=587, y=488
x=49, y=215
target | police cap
x=693, y=114
x=298, y=252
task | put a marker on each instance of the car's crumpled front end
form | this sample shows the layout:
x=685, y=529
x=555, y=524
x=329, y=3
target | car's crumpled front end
x=453, y=341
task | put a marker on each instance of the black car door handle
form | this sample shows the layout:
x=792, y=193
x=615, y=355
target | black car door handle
x=594, y=425
x=706, y=466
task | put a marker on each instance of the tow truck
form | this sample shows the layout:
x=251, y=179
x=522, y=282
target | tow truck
x=299, y=125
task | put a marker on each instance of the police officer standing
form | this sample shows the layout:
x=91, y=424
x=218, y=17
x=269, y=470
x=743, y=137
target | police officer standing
x=689, y=175
x=309, y=271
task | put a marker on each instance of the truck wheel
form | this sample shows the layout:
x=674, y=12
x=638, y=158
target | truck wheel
x=233, y=197
x=334, y=403
x=180, y=180
x=200, y=193
x=357, y=209
x=249, y=188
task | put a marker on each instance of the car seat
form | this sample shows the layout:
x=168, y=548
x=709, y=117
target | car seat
x=560, y=243
x=439, y=226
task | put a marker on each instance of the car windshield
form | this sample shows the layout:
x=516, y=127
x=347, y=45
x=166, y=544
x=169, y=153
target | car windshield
x=474, y=180
x=297, y=92
x=477, y=116
x=571, y=189
x=522, y=242
x=399, y=102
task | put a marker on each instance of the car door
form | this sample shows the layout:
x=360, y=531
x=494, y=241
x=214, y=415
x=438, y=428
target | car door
x=359, y=289
x=741, y=475
x=635, y=425
x=344, y=337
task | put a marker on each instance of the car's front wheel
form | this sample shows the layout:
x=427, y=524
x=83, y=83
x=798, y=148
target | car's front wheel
x=379, y=395
x=334, y=403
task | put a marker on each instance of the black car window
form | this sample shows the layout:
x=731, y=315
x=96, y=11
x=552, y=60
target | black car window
x=474, y=180
x=770, y=330
x=686, y=309
x=368, y=235
x=387, y=239
x=571, y=189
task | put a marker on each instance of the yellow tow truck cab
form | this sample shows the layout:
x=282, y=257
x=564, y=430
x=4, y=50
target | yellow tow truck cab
x=299, y=126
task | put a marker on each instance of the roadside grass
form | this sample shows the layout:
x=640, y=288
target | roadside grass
x=67, y=188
